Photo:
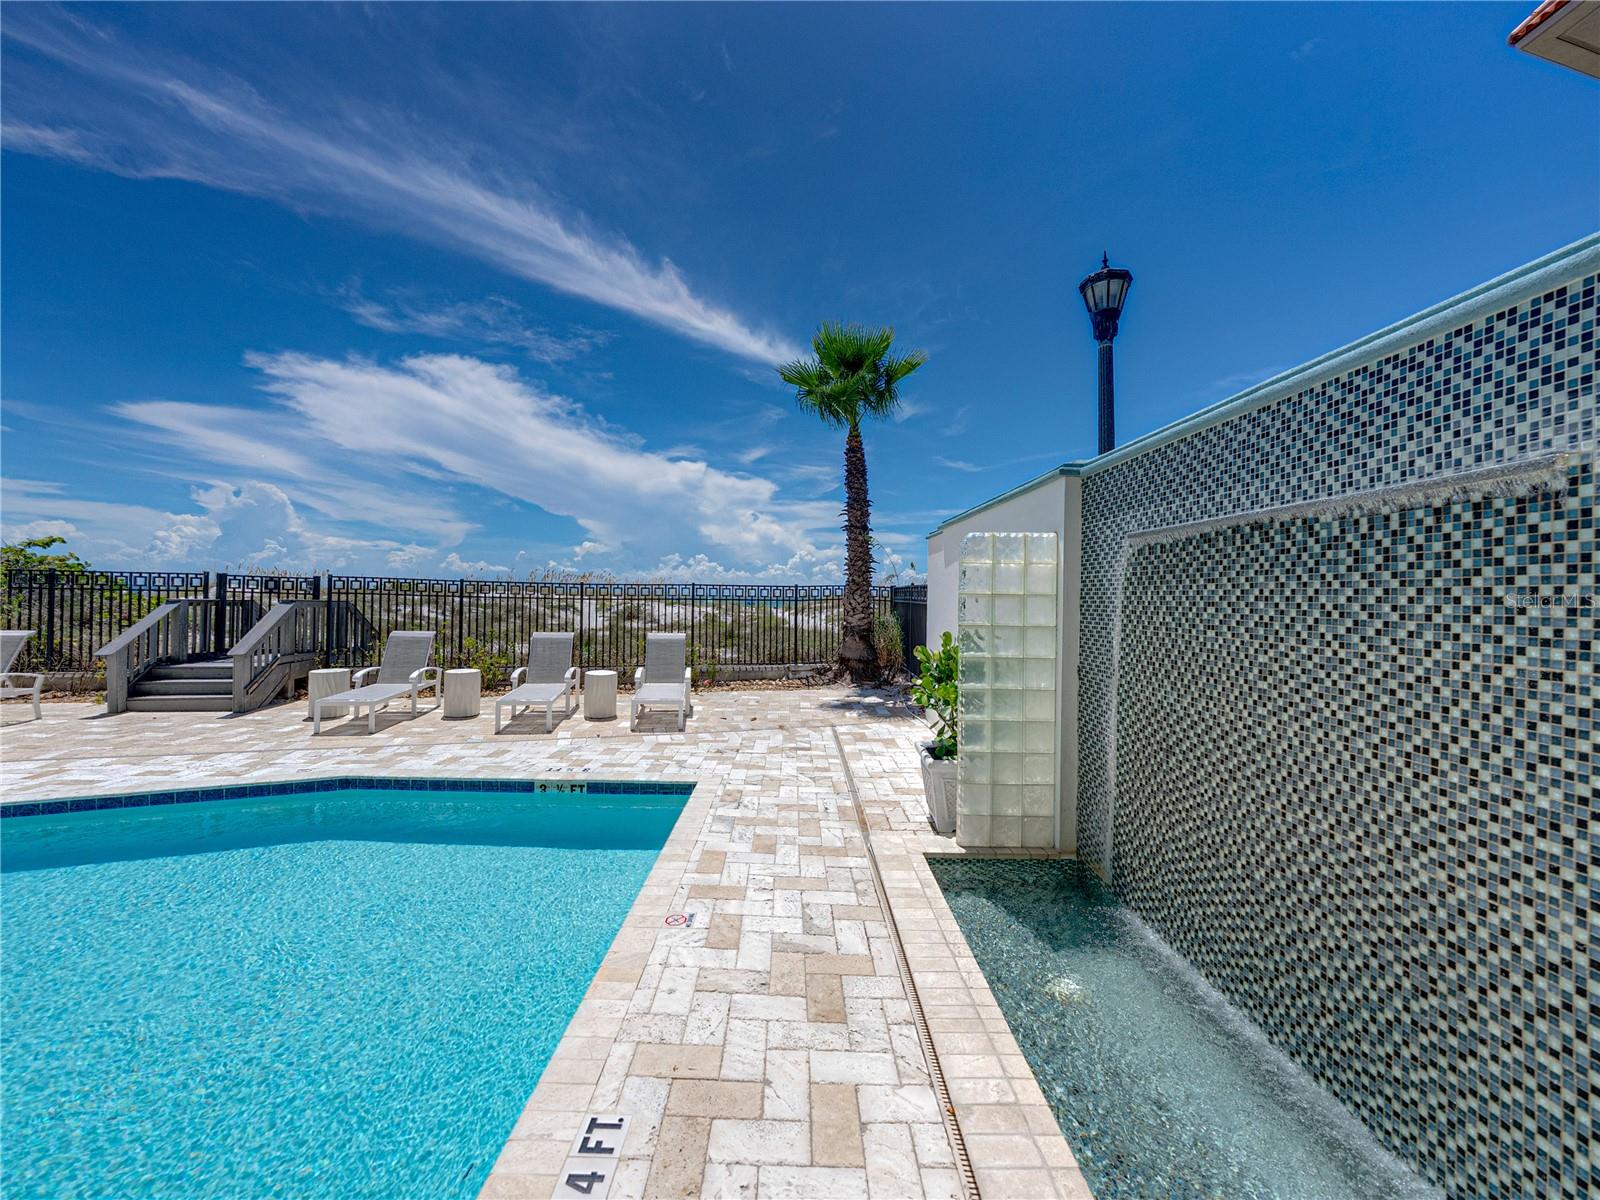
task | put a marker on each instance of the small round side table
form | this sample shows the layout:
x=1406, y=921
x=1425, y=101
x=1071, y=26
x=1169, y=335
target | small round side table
x=462, y=690
x=600, y=695
x=327, y=682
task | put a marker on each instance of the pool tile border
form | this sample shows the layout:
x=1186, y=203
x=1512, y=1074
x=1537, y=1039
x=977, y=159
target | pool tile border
x=341, y=783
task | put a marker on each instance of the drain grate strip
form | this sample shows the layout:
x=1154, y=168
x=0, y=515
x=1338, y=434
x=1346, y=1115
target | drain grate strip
x=941, y=1091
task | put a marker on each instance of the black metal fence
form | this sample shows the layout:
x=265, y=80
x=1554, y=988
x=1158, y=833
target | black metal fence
x=480, y=623
x=911, y=610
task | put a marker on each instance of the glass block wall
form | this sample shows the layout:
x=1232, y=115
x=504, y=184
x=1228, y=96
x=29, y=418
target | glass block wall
x=1006, y=766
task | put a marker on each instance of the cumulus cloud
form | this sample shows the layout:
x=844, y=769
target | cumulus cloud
x=135, y=113
x=29, y=530
x=390, y=446
x=479, y=422
x=258, y=525
x=250, y=525
x=457, y=565
x=99, y=529
x=808, y=566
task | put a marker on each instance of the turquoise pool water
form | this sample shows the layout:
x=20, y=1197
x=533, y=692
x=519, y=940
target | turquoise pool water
x=1163, y=1090
x=345, y=993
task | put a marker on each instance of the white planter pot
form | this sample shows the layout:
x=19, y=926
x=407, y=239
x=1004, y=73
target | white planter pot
x=939, y=781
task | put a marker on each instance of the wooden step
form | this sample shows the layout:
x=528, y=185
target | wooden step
x=194, y=686
x=218, y=668
x=180, y=703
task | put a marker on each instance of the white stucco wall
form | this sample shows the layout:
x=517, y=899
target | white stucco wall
x=1054, y=504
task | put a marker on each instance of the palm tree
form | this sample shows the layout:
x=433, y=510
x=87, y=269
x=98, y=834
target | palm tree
x=852, y=377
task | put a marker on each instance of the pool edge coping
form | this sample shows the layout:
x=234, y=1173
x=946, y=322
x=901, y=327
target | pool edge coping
x=12, y=808
x=956, y=999
x=605, y=1000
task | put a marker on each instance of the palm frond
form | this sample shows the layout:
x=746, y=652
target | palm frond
x=896, y=369
x=852, y=375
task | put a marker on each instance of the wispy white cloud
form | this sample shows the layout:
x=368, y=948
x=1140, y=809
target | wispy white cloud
x=961, y=464
x=816, y=478
x=145, y=116
x=107, y=529
x=492, y=321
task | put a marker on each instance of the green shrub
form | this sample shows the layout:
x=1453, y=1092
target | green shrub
x=889, y=642
x=495, y=663
x=936, y=691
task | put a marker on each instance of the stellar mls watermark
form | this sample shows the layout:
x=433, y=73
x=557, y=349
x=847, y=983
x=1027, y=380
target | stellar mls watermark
x=1553, y=599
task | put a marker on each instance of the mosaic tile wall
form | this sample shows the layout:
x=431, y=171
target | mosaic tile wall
x=1349, y=774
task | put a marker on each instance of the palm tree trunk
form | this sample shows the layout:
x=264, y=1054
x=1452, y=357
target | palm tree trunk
x=856, y=652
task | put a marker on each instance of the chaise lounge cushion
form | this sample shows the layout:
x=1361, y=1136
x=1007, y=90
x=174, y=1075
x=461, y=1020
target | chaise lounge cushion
x=373, y=693
x=659, y=693
x=535, y=693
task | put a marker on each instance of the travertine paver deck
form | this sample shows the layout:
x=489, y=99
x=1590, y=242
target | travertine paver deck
x=771, y=1047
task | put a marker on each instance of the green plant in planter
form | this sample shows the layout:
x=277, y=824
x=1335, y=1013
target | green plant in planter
x=936, y=691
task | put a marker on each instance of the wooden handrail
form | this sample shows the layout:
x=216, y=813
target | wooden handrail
x=127, y=637
x=258, y=632
x=278, y=635
x=162, y=635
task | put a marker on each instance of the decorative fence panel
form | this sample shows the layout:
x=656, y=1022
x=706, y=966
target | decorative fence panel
x=73, y=613
x=479, y=623
x=486, y=623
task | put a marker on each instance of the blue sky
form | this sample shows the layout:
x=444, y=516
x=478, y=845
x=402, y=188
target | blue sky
x=486, y=289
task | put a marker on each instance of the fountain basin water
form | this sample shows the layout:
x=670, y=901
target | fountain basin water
x=1162, y=1088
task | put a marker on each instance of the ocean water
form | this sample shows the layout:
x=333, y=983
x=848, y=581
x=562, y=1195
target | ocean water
x=333, y=994
x=1163, y=1090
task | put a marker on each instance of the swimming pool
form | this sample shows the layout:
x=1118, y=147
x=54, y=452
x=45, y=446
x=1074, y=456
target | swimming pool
x=1161, y=1088
x=348, y=991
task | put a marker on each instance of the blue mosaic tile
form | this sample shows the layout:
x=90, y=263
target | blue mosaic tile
x=1345, y=765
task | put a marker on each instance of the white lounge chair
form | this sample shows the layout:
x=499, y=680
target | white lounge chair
x=549, y=676
x=664, y=680
x=11, y=643
x=404, y=671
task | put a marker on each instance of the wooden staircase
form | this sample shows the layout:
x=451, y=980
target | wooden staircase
x=167, y=661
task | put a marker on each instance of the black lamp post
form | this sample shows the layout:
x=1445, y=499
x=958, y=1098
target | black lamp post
x=1103, y=294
